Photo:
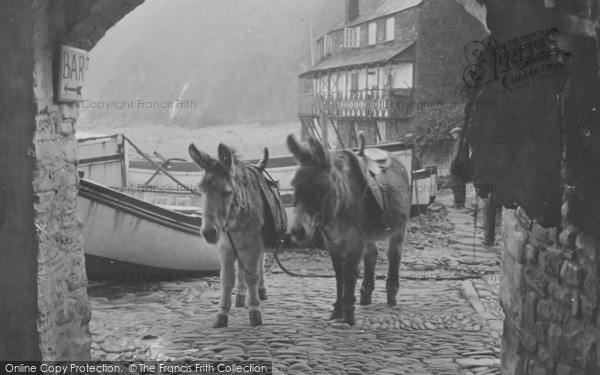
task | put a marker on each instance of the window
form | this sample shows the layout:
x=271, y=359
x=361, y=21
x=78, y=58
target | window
x=371, y=78
x=381, y=132
x=362, y=79
x=357, y=36
x=327, y=49
x=390, y=26
x=384, y=77
x=402, y=76
x=349, y=38
x=372, y=39
x=353, y=82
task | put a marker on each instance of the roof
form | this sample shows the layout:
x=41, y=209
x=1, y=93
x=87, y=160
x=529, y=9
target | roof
x=371, y=9
x=377, y=53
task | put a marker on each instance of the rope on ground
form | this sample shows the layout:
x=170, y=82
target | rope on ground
x=456, y=277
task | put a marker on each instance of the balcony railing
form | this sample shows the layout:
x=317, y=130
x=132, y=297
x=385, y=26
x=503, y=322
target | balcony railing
x=374, y=103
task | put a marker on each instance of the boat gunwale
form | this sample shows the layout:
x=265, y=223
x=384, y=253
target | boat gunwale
x=125, y=203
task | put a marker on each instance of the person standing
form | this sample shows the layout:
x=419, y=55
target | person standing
x=458, y=166
x=492, y=209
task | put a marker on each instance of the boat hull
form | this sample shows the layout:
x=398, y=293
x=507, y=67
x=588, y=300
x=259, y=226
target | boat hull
x=126, y=229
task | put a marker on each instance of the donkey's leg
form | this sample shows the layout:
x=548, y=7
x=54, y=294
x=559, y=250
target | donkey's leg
x=262, y=290
x=240, y=297
x=350, y=274
x=251, y=260
x=338, y=263
x=227, y=281
x=368, y=283
x=394, y=255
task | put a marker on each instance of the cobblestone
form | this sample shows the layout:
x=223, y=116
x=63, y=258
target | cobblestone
x=432, y=330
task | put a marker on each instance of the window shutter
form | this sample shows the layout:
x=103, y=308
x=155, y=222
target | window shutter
x=372, y=36
x=327, y=48
x=390, y=25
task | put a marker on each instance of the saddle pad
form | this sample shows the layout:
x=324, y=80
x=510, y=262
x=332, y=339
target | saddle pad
x=276, y=218
x=376, y=190
x=372, y=179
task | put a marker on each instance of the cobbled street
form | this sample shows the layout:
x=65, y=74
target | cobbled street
x=448, y=319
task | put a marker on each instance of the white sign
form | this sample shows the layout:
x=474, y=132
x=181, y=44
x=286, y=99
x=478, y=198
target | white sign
x=73, y=65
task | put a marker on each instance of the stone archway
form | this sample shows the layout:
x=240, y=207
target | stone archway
x=44, y=312
x=538, y=150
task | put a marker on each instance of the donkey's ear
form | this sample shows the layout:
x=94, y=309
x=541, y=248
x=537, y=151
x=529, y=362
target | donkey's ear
x=321, y=156
x=297, y=150
x=226, y=157
x=202, y=159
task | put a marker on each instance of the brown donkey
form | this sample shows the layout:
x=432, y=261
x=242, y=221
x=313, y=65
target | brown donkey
x=234, y=216
x=333, y=198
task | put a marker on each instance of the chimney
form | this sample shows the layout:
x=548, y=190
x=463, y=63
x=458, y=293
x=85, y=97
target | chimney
x=352, y=10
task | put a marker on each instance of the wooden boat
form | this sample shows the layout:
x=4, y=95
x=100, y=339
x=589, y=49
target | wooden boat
x=127, y=229
x=132, y=226
x=133, y=214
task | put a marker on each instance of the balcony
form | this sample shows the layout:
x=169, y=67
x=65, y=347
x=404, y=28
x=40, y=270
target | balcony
x=373, y=103
x=373, y=82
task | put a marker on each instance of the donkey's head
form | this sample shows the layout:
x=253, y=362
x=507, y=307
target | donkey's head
x=312, y=188
x=219, y=189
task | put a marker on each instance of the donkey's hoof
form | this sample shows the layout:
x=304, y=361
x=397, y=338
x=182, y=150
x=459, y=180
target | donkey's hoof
x=391, y=299
x=349, y=318
x=240, y=300
x=255, y=318
x=221, y=321
x=262, y=295
x=365, y=298
x=336, y=314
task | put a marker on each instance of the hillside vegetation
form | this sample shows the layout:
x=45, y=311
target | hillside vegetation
x=228, y=61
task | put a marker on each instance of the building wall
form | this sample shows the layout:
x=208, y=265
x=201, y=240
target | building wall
x=337, y=41
x=444, y=29
x=549, y=293
x=407, y=24
x=318, y=50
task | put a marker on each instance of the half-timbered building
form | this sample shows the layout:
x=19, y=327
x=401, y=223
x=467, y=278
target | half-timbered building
x=387, y=68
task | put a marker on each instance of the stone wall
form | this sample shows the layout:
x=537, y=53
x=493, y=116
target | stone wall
x=62, y=295
x=538, y=148
x=549, y=293
x=406, y=23
x=45, y=310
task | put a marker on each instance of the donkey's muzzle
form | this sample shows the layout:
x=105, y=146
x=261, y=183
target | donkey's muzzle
x=210, y=234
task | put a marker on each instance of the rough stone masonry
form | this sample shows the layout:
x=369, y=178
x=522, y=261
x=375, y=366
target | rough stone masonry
x=549, y=293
